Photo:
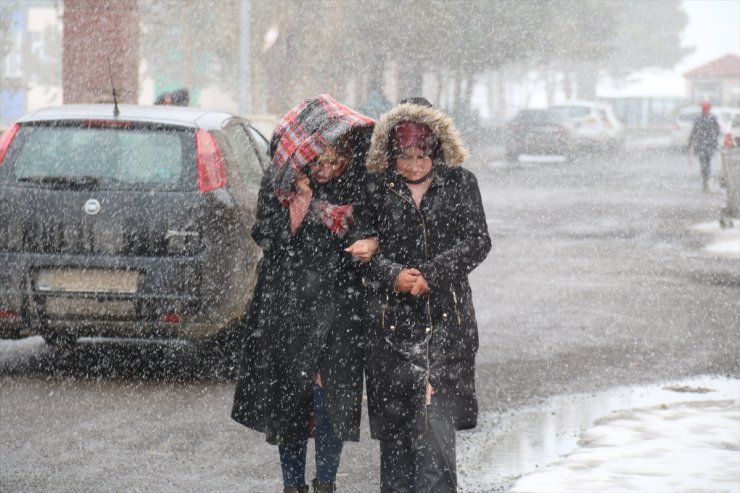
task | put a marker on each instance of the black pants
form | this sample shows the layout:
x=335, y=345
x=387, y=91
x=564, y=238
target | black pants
x=425, y=464
x=705, y=162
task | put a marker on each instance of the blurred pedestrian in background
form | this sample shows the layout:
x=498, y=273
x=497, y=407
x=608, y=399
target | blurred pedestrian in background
x=179, y=97
x=302, y=364
x=704, y=141
x=376, y=104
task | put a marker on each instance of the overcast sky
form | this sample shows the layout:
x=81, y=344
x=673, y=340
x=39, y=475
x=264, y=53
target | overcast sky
x=713, y=29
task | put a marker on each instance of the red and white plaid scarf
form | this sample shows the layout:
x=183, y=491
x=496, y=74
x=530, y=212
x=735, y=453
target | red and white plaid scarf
x=337, y=217
x=299, y=138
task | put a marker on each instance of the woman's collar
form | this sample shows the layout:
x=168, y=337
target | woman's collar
x=393, y=178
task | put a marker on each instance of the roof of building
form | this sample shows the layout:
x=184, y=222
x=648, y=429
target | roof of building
x=724, y=67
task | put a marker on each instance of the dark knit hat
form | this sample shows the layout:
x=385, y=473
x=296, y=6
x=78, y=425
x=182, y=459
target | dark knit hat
x=412, y=134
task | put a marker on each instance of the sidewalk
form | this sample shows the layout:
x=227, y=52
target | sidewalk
x=721, y=242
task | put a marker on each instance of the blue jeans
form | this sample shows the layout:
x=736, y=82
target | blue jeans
x=328, y=449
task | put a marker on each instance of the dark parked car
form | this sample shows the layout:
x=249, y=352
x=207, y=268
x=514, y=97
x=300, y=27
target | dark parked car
x=538, y=131
x=129, y=226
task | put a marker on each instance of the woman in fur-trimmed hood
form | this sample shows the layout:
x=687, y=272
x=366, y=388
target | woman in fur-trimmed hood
x=433, y=233
x=453, y=150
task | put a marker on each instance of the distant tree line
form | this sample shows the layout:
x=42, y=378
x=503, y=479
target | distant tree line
x=349, y=48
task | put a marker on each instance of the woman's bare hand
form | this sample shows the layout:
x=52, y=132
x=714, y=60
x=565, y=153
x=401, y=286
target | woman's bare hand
x=301, y=183
x=363, y=250
x=406, y=279
x=420, y=286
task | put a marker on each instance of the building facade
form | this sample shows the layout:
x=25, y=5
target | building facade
x=717, y=81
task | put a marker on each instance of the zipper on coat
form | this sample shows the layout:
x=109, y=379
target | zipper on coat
x=457, y=310
x=382, y=313
x=429, y=327
x=421, y=218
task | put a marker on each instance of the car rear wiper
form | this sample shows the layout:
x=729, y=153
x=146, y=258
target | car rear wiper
x=71, y=182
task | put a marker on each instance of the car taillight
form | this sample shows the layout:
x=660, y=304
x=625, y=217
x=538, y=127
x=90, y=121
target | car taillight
x=728, y=142
x=592, y=121
x=171, y=318
x=11, y=314
x=211, y=166
x=5, y=139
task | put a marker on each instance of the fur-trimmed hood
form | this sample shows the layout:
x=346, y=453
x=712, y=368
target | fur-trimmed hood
x=453, y=150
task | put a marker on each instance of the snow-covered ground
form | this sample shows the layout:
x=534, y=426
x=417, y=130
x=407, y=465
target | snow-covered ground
x=681, y=447
x=723, y=242
x=680, y=437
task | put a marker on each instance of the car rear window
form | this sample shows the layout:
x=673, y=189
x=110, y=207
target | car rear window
x=120, y=157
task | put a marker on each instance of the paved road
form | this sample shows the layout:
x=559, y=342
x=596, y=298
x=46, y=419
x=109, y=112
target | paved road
x=596, y=280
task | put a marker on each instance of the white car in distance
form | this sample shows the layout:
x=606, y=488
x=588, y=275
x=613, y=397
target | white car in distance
x=595, y=127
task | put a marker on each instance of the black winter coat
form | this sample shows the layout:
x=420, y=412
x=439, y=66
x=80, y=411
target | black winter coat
x=704, y=135
x=435, y=334
x=304, y=318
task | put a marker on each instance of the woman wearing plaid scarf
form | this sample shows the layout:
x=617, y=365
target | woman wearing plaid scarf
x=302, y=364
x=421, y=358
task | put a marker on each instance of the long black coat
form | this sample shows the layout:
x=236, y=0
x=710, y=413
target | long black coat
x=435, y=334
x=304, y=318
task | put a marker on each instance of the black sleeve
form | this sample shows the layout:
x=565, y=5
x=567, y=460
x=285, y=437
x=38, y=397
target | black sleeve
x=472, y=243
x=380, y=273
x=715, y=128
x=272, y=224
x=363, y=225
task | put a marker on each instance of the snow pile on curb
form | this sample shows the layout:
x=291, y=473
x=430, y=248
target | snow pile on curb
x=670, y=437
x=680, y=447
x=725, y=241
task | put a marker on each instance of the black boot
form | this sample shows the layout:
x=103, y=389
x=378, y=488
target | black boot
x=296, y=489
x=323, y=487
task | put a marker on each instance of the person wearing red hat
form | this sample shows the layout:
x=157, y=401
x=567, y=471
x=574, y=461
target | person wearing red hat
x=703, y=140
x=420, y=366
